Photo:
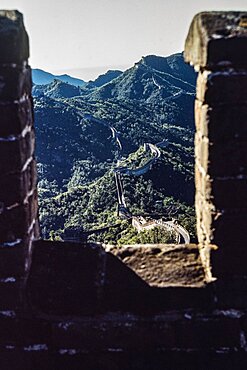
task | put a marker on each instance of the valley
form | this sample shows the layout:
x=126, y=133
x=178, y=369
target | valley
x=80, y=137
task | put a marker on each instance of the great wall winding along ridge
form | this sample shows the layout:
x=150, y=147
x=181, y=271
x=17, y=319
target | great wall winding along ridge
x=123, y=211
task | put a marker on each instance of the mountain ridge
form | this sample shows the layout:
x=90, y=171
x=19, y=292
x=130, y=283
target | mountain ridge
x=103, y=78
x=148, y=80
x=41, y=77
x=150, y=102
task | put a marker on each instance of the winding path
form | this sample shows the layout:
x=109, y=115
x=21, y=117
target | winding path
x=123, y=211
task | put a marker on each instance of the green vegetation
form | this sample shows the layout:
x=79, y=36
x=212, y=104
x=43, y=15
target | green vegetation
x=76, y=156
x=153, y=236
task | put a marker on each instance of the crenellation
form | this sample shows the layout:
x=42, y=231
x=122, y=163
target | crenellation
x=18, y=195
x=13, y=39
x=217, y=43
x=217, y=40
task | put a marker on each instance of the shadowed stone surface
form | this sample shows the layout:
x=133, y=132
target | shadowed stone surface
x=13, y=37
x=217, y=38
x=77, y=279
x=217, y=46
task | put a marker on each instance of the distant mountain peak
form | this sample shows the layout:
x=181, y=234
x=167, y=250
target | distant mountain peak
x=41, y=77
x=104, y=78
x=161, y=63
x=57, y=89
x=153, y=79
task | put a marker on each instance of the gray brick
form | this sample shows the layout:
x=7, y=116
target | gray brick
x=222, y=87
x=217, y=39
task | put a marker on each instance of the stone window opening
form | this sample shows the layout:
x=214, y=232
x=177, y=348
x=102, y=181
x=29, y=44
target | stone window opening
x=64, y=302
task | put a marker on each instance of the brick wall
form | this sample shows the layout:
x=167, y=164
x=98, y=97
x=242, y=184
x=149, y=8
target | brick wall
x=217, y=46
x=18, y=194
x=83, y=306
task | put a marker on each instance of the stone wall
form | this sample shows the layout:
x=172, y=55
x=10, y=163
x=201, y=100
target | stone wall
x=74, y=306
x=217, y=46
x=18, y=194
x=137, y=307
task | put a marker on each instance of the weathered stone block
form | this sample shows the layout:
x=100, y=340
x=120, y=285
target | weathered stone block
x=205, y=215
x=32, y=204
x=125, y=333
x=29, y=357
x=122, y=288
x=161, y=265
x=224, y=193
x=36, y=228
x=151, y=359
x=15, y=153
x=10, y=293
x=65, y=277
x=150, y=279
x=231, y=291
x=203, y=183
x=227, y=160
x=217, y=39
x=244, y=318
x=229, y=193
x=15, y=222
x=12, y=260
x=15, y=82
x=168, y=331
x=12, y=357
x=208, y=332
x=230, y=228
x=228, y=261
x=13, y=37
x=15, y=187
x=222, y=87
x=15, y=117
x=226, y=228
x=221, y=123
x=202, y=148
x=21, y=331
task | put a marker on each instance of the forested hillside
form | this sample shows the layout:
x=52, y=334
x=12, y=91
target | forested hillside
x=76, y=152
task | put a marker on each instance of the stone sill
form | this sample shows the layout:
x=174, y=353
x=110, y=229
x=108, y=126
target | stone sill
x=78, y=280
x=86, y=279
x=163, y=265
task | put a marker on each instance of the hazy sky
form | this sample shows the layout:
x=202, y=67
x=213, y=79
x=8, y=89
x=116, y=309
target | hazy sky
x=88, y=34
